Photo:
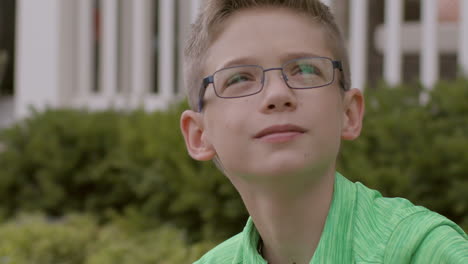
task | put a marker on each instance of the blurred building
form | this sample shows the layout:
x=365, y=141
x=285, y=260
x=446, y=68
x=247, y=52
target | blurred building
x=126, y=54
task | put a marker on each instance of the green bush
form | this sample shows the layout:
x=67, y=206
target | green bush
x=78, y=239
x=63, y=161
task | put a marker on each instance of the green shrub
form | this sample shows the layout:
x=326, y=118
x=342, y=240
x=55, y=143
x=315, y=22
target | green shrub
x=78, y=239
x=33, y=239
x=63, y=161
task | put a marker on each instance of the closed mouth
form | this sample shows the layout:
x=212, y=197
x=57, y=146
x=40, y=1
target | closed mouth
x=276, y=129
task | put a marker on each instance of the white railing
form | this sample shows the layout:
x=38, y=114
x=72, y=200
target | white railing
x=125, y=70
x=167, y=47
x=393, y=52
x=392, y=41
x=429, y=52
x=56, y=67
x=463, y=37
x=393, y=61
x=126, y=61
x=358, y=42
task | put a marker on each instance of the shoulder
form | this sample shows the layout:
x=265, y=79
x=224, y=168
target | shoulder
x=381, y=216
x=392, y=230
x=443, y=244
x=420, y=231
x=224, y=253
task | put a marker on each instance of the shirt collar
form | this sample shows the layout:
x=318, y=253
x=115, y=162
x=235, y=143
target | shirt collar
x=335, y=244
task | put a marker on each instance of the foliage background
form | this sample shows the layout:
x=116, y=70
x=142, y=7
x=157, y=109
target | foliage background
x=115, y=187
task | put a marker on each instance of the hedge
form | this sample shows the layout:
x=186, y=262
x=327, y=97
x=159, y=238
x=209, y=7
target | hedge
x=63, y=161
x=79, y=239
x=100, y=163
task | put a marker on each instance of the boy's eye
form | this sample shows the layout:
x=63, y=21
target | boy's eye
x=238, y=78
x=305, y=69
x=238, y=81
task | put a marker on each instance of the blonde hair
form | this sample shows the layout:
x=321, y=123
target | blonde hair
x=215, y=12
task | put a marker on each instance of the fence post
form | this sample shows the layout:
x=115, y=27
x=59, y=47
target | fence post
x=194, y=9
x=142, y=51
x=328, y=2
x=429, y=53
x=108, y=56
x=392, y=54
x=85, y=52
x=38, y=49
x=166, y=48
x=463, y=39
x=358, y=42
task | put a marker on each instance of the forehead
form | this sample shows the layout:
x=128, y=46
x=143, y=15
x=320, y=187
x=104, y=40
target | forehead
x=267, y=36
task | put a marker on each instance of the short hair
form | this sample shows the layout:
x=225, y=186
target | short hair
x=209, y=23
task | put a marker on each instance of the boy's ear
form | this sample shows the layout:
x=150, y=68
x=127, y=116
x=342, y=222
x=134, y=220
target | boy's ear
x=198, y=147
x=353, y=114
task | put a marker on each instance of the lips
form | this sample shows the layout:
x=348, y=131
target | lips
x=279, y=129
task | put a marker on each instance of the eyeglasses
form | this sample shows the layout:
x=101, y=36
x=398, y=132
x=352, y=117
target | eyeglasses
x=246, y=80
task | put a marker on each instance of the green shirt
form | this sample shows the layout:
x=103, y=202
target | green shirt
x=364, y=227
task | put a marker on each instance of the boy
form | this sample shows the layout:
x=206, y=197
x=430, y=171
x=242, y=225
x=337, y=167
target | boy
x=268, y=85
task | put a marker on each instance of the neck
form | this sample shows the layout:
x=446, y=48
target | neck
x=290, y=218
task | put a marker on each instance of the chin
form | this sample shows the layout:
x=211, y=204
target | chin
x=306, y=165
x=282, y=168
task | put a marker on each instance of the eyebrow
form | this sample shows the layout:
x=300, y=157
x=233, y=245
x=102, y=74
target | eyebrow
x=251, y=60
x=295, y=55
x=237, y=61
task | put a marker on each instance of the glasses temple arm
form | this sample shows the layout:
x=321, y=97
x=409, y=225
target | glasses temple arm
x=337, y=65
x=206, y=82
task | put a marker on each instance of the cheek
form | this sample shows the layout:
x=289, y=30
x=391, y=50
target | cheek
x=326, y=115
x=224, y=127
x=333, y=118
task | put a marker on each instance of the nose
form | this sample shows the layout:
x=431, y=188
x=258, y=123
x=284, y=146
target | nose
x=277, y=96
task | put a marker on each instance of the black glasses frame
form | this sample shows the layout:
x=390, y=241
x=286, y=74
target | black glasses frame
x=210, y=79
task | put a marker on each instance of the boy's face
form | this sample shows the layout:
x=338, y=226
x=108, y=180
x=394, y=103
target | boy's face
x=279, y=130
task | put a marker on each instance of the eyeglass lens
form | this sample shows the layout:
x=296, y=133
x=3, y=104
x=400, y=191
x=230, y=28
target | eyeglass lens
x=299, y=74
